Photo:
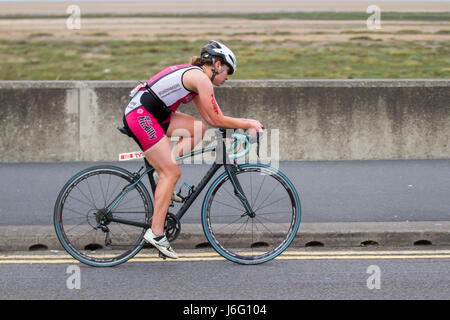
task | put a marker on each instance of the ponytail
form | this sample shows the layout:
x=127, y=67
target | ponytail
x=198, y=61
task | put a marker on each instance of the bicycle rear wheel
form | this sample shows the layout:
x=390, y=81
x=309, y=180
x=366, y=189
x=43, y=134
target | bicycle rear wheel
x=251, y=240
x=80, y=216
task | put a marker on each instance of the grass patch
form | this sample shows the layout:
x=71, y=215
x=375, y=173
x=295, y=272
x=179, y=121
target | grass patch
x=443, y=31
x=130, y=60
x=363, y=32
x=40, y=34
x=399, y=16
x=282, y=33
x=365, y=38
x=98, y=34
x=408, y=32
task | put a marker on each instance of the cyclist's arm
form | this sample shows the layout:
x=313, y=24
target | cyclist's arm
x=206, y=103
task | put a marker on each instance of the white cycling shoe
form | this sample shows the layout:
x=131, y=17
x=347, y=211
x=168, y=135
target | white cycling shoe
x=175, y=197
x=161, y=243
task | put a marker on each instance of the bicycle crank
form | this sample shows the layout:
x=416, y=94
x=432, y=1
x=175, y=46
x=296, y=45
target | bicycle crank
x=172, y=227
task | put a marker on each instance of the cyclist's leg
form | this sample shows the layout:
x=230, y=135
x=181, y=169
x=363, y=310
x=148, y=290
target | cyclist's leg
x=189, y=129
x=150, y=136
x=160, y=157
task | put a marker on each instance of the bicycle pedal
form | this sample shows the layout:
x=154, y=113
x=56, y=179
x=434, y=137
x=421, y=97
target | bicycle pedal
x=162, y=256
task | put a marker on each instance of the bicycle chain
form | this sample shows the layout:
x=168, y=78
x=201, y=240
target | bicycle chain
x=172, y=227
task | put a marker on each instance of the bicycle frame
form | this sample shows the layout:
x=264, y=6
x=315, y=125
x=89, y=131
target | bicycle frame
x=222, y=154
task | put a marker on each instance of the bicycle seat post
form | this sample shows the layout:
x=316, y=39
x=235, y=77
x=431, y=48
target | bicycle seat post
x=150, y=176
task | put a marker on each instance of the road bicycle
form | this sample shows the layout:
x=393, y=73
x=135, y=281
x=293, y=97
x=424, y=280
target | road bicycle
x=250, y=213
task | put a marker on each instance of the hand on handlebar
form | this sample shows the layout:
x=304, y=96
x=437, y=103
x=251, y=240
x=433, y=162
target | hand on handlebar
x=255, y=126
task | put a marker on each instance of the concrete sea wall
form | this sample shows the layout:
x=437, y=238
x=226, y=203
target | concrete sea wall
x=52, y=121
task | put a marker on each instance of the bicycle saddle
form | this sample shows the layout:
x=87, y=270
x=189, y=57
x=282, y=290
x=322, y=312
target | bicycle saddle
x=124, y=130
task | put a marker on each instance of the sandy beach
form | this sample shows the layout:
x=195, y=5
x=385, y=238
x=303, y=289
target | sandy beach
x=49, y=8
x=146, y=28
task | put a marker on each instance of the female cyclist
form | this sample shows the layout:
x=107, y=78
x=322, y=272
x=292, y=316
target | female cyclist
x=151, y=117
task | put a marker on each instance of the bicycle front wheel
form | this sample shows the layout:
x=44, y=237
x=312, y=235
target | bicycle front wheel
x=80, y=216
x=251, y=240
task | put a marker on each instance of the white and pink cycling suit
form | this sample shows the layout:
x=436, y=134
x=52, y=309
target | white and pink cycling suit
x=147, y=115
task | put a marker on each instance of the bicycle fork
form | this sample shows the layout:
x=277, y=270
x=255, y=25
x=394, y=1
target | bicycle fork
x=231, y=171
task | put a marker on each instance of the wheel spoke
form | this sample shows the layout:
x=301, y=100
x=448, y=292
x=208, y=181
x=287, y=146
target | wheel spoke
x=227, y=205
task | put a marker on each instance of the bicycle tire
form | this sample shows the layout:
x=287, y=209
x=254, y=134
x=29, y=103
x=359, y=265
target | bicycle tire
x=274, y=230
x=76, y=215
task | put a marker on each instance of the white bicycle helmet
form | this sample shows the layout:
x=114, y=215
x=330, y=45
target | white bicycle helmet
x=217, y=49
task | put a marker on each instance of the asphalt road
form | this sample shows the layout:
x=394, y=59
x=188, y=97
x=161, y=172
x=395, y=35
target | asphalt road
x=332, y=191
x=297, y=274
